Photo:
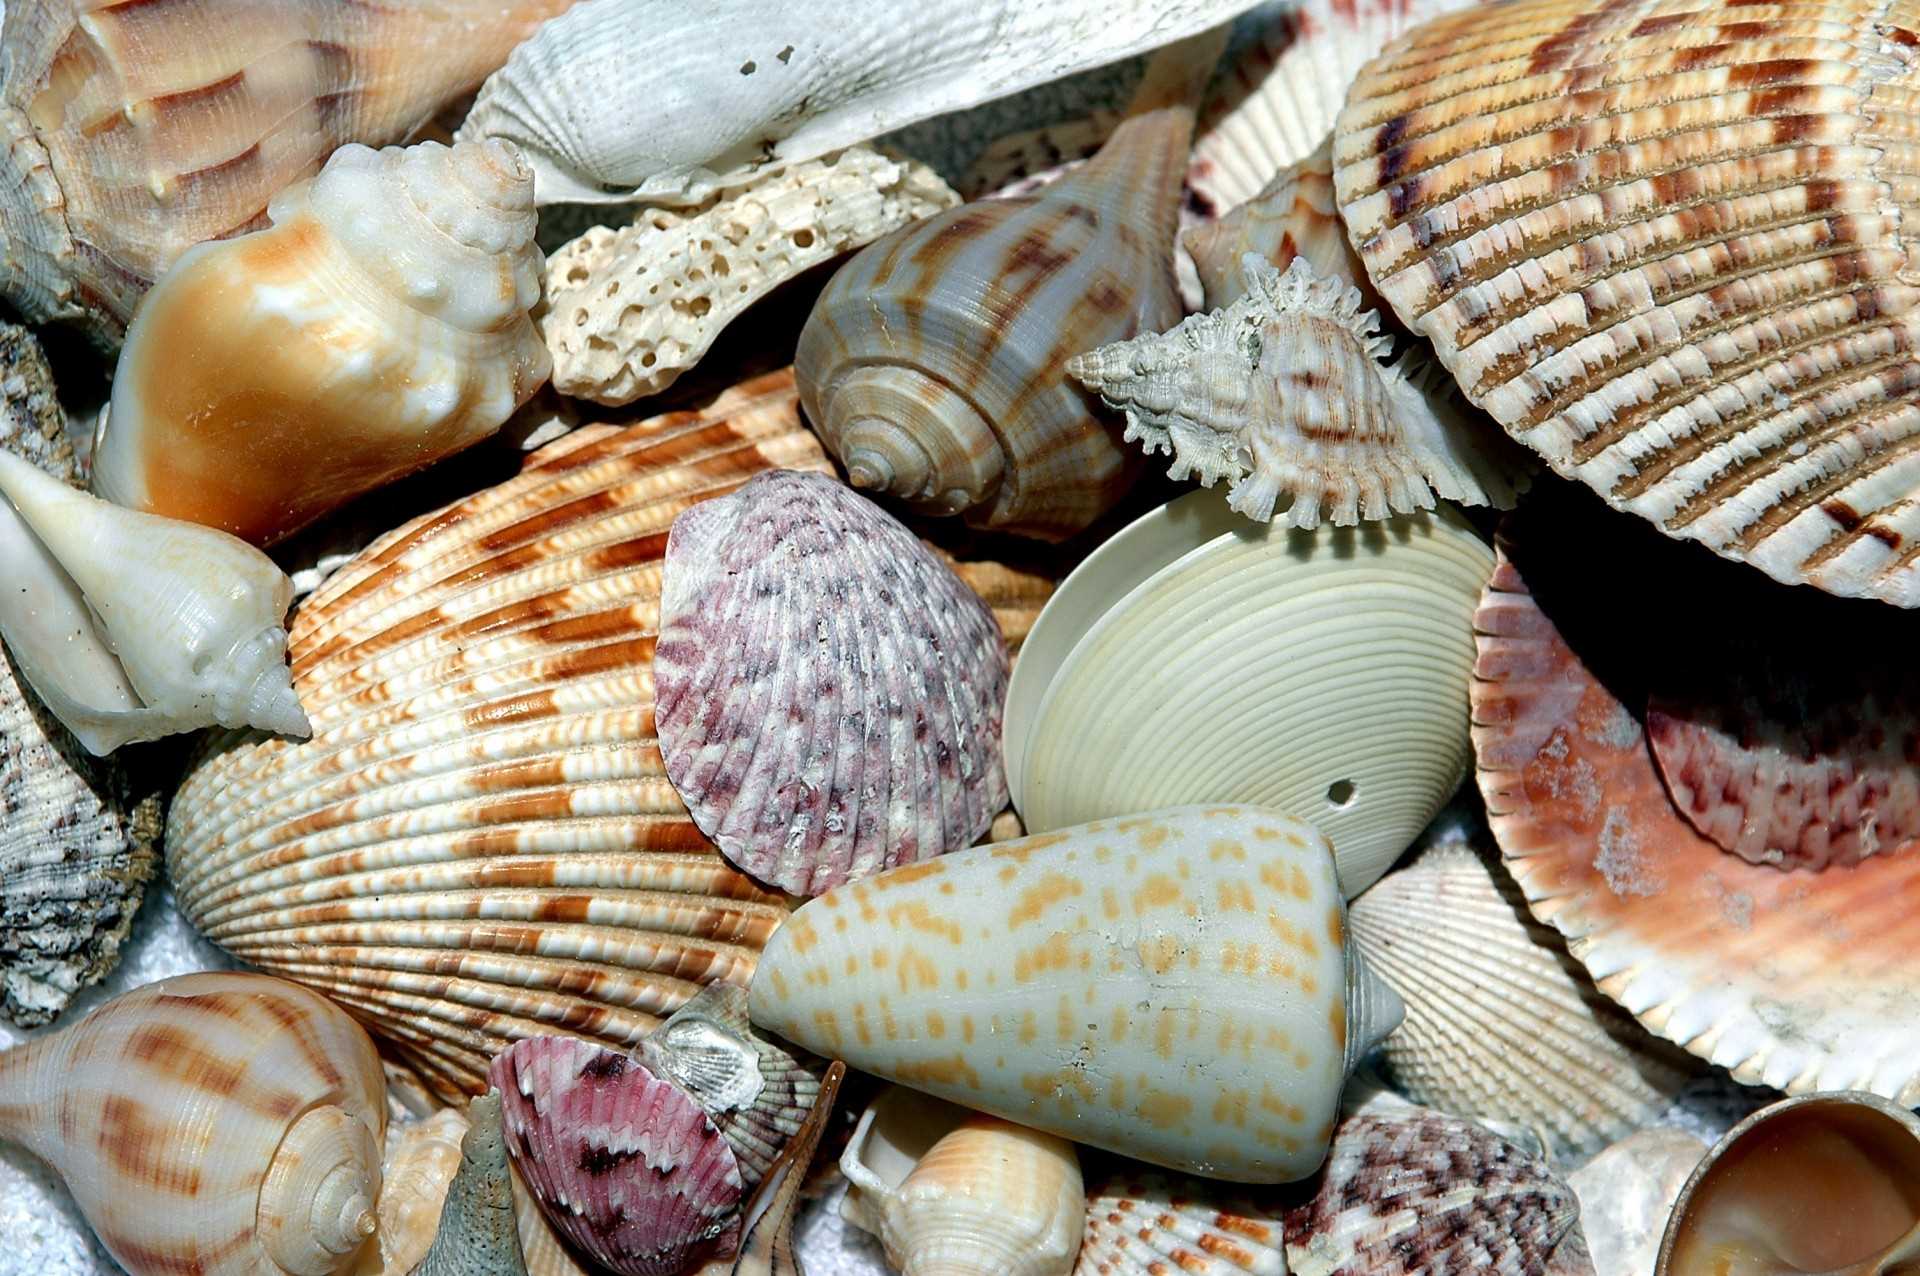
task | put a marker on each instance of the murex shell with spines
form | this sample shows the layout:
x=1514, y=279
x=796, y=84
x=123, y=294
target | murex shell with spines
x=134, y=131
x=1666, y=244
x=480, y=843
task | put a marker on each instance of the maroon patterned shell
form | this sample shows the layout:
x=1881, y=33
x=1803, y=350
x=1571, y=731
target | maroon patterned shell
x=828, y=693
x=625, y=1165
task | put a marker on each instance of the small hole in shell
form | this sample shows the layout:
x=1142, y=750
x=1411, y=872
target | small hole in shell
x=1340, y=794
x=803, y=238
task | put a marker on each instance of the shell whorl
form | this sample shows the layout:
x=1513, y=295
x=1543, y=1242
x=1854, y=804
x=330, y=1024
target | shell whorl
x=316, y=1205
x=910, y=435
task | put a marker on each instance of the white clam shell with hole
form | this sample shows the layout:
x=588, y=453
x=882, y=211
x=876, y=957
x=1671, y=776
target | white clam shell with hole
x=1196, y=657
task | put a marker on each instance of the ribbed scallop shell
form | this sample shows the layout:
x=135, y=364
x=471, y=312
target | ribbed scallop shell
x=1430, y=1195
x=480, y=843
x=829, y=693
x=1666, y=245
x=1143, y=1224
x=1793, y=980
x=1500, y=1021
x=134, y=131
x=625, y=1165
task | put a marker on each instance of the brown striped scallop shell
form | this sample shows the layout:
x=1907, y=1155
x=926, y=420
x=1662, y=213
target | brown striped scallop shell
x=1667, y=245
x=479, y=843
x=1798, y=980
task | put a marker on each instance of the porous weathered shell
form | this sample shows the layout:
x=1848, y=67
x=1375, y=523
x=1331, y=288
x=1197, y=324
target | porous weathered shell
x=1819, y=1184
x=933, y=365
x=1151, y=1224
x=1792, y=763
x=1668, y=251
x=738, y=87
x=829, y=694
x=626, y=1166
x=1293, y=216
x=1279, y=97
x=378, y=325
x=1284, y=393
x=1167, y=633
x=1068, y=981
x=77, y=842
x=421, y=1159
x=757, y=1092
x=1500, y=1020
x=1432, y=1194
x=134, y=132
x=478, y=1236
x=1785, y=979
x=480, y=842
x=1627, y=1193
x=989, y=1198
x=209, y=1125
x=629, y=309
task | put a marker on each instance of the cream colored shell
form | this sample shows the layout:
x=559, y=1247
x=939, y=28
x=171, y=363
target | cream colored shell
x=480, y=843
x=1627, y=1193
x=1175, y=987
x=1294, y=215
x=1672, y=253
x=421, y=1159
x=629, y=309
x=1501, y=1021
x=1354, y=644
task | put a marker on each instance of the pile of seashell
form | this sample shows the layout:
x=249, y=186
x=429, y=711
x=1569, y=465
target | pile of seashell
x=617, y=691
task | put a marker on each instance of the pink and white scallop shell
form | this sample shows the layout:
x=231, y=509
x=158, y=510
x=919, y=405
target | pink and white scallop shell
x=625, y=1165
x=828, y=692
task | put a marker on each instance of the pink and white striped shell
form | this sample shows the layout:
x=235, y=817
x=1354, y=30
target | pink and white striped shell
x=829, y=693
x=625, y=1165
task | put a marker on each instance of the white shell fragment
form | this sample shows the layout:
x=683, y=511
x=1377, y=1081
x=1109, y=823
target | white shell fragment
x=1501, y=1022
x=664, y=101
x=1285, y=393
x=629, y=309
x=829, y=693
x=1176, y=987
x=1627, y=1193
x=131, y=626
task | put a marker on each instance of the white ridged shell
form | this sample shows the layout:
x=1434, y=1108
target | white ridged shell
x=1323, y=673
x=1141, y=1224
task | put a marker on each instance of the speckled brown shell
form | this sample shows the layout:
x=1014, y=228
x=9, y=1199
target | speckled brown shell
x=1790, y=979
x=479, y=843
x=829, y=693
x=1667, y=244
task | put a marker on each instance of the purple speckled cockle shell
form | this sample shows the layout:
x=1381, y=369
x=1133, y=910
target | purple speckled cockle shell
x=828, y=693
x=625, y=1165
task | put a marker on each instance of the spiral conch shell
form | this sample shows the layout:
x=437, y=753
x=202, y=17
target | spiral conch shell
x=1176, y=987
x=1668, y=247
x=933, y=365
x=131, y=626
x=380, y=324
x=209, y=1125
x=135, y=131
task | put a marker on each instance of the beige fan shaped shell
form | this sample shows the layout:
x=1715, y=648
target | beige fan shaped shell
x=1668, y=245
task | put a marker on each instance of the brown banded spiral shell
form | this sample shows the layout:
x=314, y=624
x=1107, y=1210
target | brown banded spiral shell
x=1668, y=246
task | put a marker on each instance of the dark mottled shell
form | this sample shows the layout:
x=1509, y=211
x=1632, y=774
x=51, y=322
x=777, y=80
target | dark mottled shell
x=1667, y=244
x=1433, y=1196
x=829, y=693
x=625, y=1165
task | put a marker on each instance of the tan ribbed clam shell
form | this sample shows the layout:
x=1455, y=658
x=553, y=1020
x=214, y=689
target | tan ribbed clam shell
x=1500, y=1021
x=1666, y=244
x=479, y=843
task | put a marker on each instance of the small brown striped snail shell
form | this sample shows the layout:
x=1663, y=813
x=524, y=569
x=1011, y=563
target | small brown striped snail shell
x=209, y=1125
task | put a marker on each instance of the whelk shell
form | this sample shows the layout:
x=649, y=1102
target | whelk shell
x=480, y=842
x=134, y=132
x=1499, y=1021
x=209, y=1125
x=1284, y=393
x=1051, y=980
x=828, y=693
x=629, y=309
x=378, y=325
x=1360, y=724
x=1663, y=245
x=1784, y=978
x=1823, y=1185
x=740, y=86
